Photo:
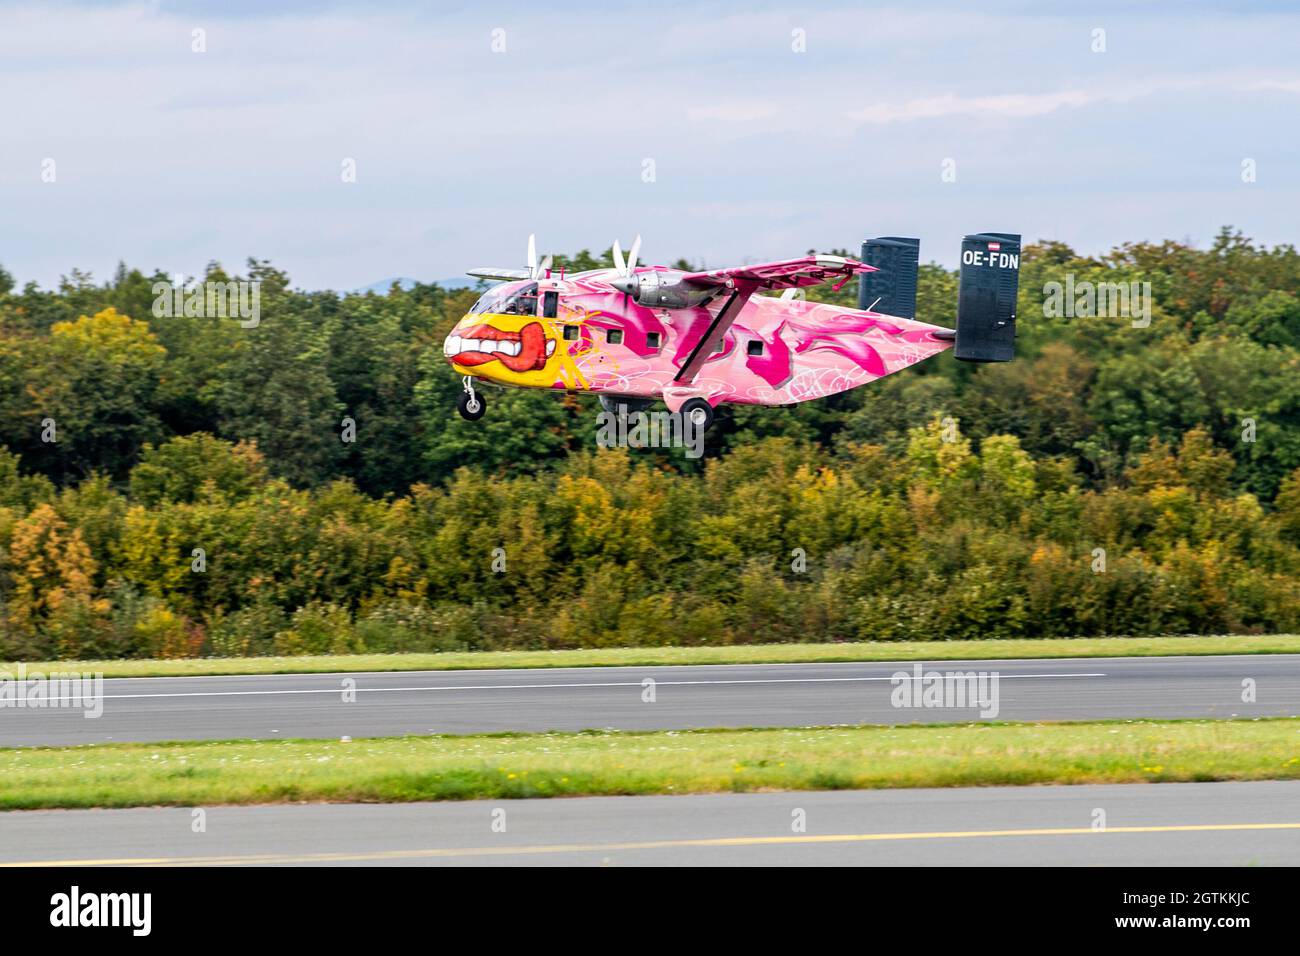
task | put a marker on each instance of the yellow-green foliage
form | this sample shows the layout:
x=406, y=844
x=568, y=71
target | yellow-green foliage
x=775, y=542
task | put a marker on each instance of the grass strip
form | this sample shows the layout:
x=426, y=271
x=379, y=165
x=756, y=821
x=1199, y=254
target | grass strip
x=662, y=762
x=731, y=654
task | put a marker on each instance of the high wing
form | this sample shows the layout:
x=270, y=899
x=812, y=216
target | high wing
x=744, y=281
x=506, y=274
x=786, y=274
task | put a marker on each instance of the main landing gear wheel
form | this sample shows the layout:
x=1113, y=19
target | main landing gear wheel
x=698, y=412
x=470, y=404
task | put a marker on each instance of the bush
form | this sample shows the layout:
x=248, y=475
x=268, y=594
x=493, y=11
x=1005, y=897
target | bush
x=160, y=632
x=248, y=632
x=318, y=629
x=395, y=627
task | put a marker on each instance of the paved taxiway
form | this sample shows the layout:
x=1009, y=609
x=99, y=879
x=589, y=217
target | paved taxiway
x=1229, y=824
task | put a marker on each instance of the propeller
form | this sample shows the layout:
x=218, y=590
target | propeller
x=535, y=268
x=625, y=268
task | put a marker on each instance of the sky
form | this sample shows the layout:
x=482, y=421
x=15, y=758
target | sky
x=721, y=132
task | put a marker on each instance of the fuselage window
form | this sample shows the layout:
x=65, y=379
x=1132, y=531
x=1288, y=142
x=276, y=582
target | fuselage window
x=550, y=304
x=571, y=332
x=614, y=336
x=721, y=346
x=652, y=340
x=755, y=347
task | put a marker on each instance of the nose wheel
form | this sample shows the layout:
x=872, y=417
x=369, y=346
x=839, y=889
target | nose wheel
x=470, y=404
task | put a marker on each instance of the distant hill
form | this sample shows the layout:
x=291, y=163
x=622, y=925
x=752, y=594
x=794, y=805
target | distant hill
x=383, y=285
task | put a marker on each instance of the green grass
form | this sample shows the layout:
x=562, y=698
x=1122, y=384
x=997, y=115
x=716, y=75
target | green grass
x=662, y=762
x=735, y=654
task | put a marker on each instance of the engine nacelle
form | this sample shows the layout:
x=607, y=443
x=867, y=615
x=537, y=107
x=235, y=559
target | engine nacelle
x=664, y=290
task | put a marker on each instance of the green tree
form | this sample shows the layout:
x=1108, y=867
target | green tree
x=274, y=389
x=92, y=383
x=181, y=469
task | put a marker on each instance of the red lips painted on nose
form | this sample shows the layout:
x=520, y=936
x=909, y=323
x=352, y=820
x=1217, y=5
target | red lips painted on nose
x=522, y=351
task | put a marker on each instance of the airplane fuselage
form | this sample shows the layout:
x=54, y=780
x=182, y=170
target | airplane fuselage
x=578, y=333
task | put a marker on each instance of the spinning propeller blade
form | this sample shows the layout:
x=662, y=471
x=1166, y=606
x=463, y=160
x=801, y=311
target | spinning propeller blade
x=626, y=267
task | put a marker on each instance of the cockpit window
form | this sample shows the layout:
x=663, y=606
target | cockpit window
x=500, y=300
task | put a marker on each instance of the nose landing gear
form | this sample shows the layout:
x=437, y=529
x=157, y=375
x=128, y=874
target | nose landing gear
x=470, y=404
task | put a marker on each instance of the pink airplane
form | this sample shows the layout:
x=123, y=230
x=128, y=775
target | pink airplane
x=694, y=340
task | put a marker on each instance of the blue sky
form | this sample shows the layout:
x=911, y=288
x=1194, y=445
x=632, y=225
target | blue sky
x=168, y=158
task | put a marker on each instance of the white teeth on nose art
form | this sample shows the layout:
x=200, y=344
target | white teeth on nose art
x=550, y=346
x=454, y=345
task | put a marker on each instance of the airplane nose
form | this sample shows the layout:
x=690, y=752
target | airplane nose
x=451, y=344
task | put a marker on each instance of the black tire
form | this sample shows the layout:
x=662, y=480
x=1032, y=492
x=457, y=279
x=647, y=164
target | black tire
x=471, y=413
x=698, y=412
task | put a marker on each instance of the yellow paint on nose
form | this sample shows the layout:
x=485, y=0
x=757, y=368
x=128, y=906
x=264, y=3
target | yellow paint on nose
x=559, y=365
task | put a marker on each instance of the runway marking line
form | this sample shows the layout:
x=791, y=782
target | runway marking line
x=272, y=858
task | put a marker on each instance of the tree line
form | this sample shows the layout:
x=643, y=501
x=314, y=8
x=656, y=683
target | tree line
x=198, y=497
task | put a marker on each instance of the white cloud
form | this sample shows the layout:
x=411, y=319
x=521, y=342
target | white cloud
x=1012, y=106
x=1272, y=86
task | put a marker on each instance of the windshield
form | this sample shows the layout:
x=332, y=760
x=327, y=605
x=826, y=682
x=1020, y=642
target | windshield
x=506, y=299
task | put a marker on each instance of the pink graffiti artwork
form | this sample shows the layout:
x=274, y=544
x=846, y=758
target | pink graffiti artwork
x=695, y=340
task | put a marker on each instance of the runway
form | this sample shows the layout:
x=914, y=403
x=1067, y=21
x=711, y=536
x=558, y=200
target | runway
x=1216, y=824
x=749, y=695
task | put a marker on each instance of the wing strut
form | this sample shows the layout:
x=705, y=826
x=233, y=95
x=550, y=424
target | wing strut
x=744, y=288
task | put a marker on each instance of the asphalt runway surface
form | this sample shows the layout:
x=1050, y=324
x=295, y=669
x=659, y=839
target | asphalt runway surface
x=1223, y=824
x=568, y=699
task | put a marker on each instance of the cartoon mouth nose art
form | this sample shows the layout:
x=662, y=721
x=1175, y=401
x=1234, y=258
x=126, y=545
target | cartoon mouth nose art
x=522, y=351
